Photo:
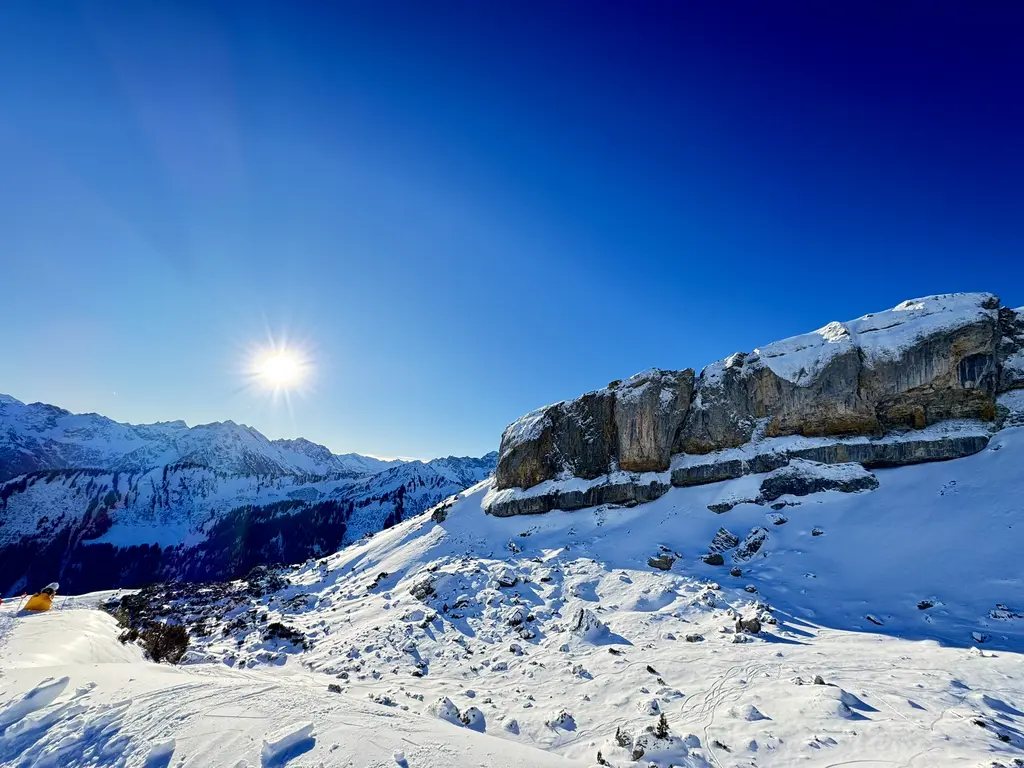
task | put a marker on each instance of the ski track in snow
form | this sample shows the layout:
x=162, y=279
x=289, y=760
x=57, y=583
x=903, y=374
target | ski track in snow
x=906, y=693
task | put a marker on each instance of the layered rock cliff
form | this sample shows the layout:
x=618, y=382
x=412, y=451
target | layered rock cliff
x=871, y=387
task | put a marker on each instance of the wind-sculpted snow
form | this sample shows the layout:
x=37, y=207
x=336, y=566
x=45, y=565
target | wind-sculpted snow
x=876, y=627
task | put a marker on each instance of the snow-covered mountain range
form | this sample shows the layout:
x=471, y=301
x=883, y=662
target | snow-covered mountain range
x=98, y=504
x=41, y=436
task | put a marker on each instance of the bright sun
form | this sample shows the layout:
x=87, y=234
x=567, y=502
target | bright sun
x=281, y=370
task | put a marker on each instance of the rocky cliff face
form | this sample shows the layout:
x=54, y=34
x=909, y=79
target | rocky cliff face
x=922, y=363
x=632, y=424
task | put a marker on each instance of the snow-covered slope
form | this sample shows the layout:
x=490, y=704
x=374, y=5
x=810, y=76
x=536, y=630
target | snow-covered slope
x=73, y=696
x=41, y=436
x=572, y=632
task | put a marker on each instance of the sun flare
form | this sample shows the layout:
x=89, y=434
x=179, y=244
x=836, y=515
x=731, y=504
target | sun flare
x=281, y=369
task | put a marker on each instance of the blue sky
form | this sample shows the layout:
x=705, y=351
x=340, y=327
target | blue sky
x=463, y=211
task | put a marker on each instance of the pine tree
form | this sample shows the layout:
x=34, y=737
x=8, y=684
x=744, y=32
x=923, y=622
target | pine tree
x=662, y=730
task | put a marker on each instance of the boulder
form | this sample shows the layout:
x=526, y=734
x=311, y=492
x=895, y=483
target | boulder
x=750, y=545
x=662, y=562
x=423, y=587
x=724, y=540
x=649, y=409
x=751, y=626
x=802, y=477
x=713, y=558
x=585, y=624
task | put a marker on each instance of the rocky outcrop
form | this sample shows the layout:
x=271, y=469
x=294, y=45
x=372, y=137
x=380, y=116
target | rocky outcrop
x=802, y=477
x=631, y=424
x=1011, y=349
x=868, y=391
x=649, y=411
x=925, y=361
x=618, y=489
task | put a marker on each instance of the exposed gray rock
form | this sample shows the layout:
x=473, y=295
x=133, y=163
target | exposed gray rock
x=802, y=477
x=714, y=470
x=662, y=562
x=751, y=626
x=750, y=545
x=586, y=624
x=619, y=492
x=633, y=423
x=724, y=540
x=649, y=410
x=422, y=588
x=1011, y=349
x=713, y=558
x=925, y=361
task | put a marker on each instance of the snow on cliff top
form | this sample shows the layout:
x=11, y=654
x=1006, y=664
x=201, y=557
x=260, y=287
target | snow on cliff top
x=881, y=336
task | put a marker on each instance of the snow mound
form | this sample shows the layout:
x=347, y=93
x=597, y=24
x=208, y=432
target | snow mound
x=279, y=748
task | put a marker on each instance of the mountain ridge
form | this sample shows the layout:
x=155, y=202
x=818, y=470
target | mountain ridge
x=39, y=435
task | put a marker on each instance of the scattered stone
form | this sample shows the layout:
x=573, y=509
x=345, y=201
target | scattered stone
x=473, y=718
x=1002, y=613
x=444, y=709
x=979, y=637
x=585, y=624
x=724, y=540
x=511, y=725
x=816, y=532
x=662, y=562
x=515, y=615
x=751, y=626
x=334, y=688
x=721, y=508
x=506, y=577
x=873, y=619
x=776, y=519
x=751, y=545
x=423, y=588
x=819, y=680
x=652, y=670
x=737, y=572
x=516, y=649
x=750, y=588
x=713, y=558
x=924, y=605
x=695, y=638
x=563, y=720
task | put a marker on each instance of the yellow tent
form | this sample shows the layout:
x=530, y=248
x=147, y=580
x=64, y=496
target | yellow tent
x=40, y=601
